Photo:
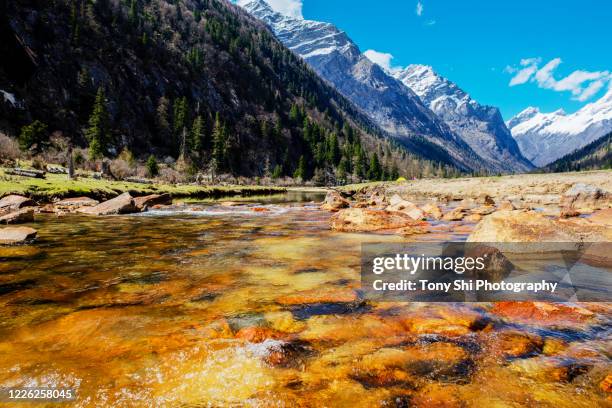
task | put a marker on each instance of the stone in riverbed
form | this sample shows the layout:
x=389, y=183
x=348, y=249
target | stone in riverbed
x=398, y=204
x=542, y=313
x=334, y=202
x=606, y=384
x=456, y=214
x=258, y=334
x=14, y=202
x=153, y=199
x=473, y=218
x=18, y=217
x=329, y=295
x=519, y=226
x=586, y=196
x=123, y=204
x=438, y=361
x=510, y=344
x=432, y=210
x=484, y=210
x=71, y=204
x=16, y=235
x=364, y=220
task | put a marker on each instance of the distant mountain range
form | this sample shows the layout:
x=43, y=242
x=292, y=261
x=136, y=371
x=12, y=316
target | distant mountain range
x=594, y=156
x=546, y=137
x=481, y=127
x=413, y=105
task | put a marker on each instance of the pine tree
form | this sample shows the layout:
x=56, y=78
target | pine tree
x=97, y=133
x=277, y=172
x=219, y=137
x=333, y=152
x=163, y=123
x=197, y=134
x=300, y=172
x=180, y=115
x=294, y=114
x=375, y=171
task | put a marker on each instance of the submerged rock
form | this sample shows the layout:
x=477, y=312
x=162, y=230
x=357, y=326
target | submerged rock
x=151, y=200
x=123, y=204
x=16, y=235
x=334, y=201
x=512, y=344
x=542, y=313
x=18, y=217
x=326, y=295
x=363, y=220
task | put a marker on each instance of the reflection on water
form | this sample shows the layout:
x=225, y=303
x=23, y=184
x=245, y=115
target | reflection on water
x=257, y=304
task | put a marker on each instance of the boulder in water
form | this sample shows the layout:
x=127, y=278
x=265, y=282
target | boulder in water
x=364, y=220
x=123, y=204
x=18, y=217
x=16, y=235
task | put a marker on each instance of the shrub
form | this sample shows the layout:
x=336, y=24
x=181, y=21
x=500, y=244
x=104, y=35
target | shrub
x=33, y=135
x=121, y=169
x=152, y=167
x=9, y=149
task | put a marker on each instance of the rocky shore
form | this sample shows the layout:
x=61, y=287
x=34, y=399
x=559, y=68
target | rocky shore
x=526, y=208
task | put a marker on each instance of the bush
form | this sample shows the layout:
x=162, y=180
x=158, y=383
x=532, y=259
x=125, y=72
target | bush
x=121, y=169
x=9, y=149
x=152, y=167
x=33, y=135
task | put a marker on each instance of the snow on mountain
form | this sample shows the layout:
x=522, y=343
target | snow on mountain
x=481, y=127
x=546, y=137
x=389, y=103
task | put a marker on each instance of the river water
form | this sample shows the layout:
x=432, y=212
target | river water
x=257, y=305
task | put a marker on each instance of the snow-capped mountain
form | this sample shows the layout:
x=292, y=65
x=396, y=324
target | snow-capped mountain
x=481, y=127
x=546, y=137
x=389, y=103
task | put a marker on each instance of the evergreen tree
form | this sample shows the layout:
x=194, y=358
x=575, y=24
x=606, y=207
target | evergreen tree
x=277, y=172
x=180, y=115
x=163, y=123
x=375, y=171
x=300, y=172
x=97, y=133
x=333, y=152
x=197, y=134
x=294, y=114
x=219, y=137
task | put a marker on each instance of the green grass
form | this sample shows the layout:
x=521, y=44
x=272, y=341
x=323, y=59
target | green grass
x=59, y=186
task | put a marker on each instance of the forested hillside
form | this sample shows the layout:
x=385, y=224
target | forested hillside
x=594, y=156
x=198, y=82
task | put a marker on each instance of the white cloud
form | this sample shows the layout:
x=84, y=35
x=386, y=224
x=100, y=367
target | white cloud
x=582, y=84
x=291, y=8
x=419, y=9
x=430, y=22
x=383, y=59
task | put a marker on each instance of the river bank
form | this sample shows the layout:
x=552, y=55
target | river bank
x=58, y=186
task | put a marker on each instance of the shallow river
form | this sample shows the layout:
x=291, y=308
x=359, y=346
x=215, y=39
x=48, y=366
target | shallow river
x=256, y=305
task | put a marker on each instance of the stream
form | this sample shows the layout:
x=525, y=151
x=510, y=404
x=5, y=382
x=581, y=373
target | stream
x=257, y=304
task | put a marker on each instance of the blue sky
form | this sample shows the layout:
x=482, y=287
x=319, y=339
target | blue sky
x=558, y=54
